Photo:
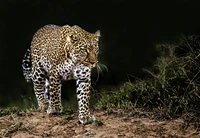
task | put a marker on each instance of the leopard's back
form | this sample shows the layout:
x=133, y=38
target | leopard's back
x=46, y=44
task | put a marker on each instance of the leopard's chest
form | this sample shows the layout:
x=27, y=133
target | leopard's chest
x=66, y=70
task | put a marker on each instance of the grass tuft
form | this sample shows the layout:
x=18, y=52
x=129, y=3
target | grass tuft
x=98, y=123
x=12, y=110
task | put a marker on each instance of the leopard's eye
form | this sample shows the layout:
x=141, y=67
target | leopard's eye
x=94, y=44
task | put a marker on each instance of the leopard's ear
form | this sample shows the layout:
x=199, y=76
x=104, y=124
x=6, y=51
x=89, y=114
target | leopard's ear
x=68, y=39
x=68, y=45
x=65, y=35
x=97, y=34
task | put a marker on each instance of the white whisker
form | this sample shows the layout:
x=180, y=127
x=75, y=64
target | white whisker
x=100, y=69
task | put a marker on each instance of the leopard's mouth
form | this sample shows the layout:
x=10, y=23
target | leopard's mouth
x=90, y=64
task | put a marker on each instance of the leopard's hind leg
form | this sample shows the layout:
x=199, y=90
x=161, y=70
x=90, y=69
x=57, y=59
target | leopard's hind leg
x=40, y=81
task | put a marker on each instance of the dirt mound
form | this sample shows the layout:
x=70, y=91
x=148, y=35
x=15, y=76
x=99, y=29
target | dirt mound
x=39, y=125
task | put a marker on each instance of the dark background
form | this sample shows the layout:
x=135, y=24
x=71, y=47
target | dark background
x=130, y=31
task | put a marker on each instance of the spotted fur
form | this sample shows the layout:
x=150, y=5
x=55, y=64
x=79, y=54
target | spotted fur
x=26, y=65
x=61, y=53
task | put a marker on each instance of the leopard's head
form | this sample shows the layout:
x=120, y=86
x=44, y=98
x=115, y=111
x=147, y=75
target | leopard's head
x=83, y=45
x=92, y=50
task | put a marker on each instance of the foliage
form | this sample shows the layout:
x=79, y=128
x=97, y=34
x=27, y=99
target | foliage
x=170, y=88
x=12, y=110
x=117, y=98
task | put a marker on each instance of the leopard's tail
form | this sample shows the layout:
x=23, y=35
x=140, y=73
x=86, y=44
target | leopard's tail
x=27, y=65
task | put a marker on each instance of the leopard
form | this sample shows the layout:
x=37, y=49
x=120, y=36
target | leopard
x=61, y=53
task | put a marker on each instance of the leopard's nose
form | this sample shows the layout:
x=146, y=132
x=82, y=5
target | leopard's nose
x=92, y=60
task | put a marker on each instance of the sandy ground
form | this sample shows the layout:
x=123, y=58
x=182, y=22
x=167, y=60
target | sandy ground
x=40, y=125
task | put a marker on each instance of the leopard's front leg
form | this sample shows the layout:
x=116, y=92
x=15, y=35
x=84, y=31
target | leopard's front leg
x=83, y=83
x=55, y=94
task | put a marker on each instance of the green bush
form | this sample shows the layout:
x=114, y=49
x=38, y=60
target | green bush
x=171, y=86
